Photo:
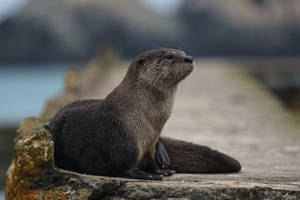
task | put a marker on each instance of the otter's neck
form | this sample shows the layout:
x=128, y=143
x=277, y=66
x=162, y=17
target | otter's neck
x=153, y=103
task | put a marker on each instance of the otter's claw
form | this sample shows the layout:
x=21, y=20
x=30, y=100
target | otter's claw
x=161, y=156
x=165, y=172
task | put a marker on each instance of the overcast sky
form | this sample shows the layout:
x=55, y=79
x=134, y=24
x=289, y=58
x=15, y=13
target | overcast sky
x=167, y=7
x=8, y=6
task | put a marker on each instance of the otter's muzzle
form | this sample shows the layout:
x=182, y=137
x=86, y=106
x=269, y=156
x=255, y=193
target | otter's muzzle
x=188, y=59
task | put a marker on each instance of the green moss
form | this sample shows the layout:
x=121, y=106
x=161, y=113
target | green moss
x=296, y=116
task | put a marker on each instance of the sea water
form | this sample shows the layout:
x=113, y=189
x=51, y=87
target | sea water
x=1, y=194
x=24, y=89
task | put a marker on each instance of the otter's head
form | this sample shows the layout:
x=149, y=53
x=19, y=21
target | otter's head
x=161, y=68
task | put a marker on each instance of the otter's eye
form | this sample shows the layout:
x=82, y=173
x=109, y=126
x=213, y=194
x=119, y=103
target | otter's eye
x=141, y=62
x=169, y=56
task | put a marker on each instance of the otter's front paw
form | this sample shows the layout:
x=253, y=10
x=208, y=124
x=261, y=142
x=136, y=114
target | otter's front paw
x=165, y=172
x=161, y=156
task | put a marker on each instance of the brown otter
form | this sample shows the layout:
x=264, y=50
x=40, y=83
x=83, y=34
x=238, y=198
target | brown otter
x=120, y=135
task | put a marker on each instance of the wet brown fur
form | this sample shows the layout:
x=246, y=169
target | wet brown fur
x=187, y=157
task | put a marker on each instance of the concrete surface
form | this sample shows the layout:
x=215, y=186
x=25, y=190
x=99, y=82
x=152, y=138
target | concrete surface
x=221, y=107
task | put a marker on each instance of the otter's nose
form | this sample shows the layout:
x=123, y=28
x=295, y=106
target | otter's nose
x=188, y=59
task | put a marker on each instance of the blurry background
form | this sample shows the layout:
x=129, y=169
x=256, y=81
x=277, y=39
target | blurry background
x=40, y=39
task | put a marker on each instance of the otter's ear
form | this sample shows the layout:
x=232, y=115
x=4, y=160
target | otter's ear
x=141, y=62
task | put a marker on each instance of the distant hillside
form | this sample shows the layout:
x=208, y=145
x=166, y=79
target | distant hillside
x=74, y=30
x=243, y=28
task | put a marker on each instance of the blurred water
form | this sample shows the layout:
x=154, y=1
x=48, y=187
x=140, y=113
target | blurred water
x=1, y=194
x=24, y=89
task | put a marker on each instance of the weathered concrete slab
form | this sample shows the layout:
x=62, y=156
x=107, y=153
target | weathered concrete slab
x=219, y=106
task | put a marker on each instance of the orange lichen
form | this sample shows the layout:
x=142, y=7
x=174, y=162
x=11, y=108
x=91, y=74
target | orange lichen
x=33, y=159
x=14, y=183
x=33, y=155
x=55, y=194
x=27, y=195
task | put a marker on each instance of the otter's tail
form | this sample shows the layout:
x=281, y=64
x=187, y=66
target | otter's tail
x=187, y=157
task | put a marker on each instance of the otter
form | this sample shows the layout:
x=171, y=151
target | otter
x=120, y=135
